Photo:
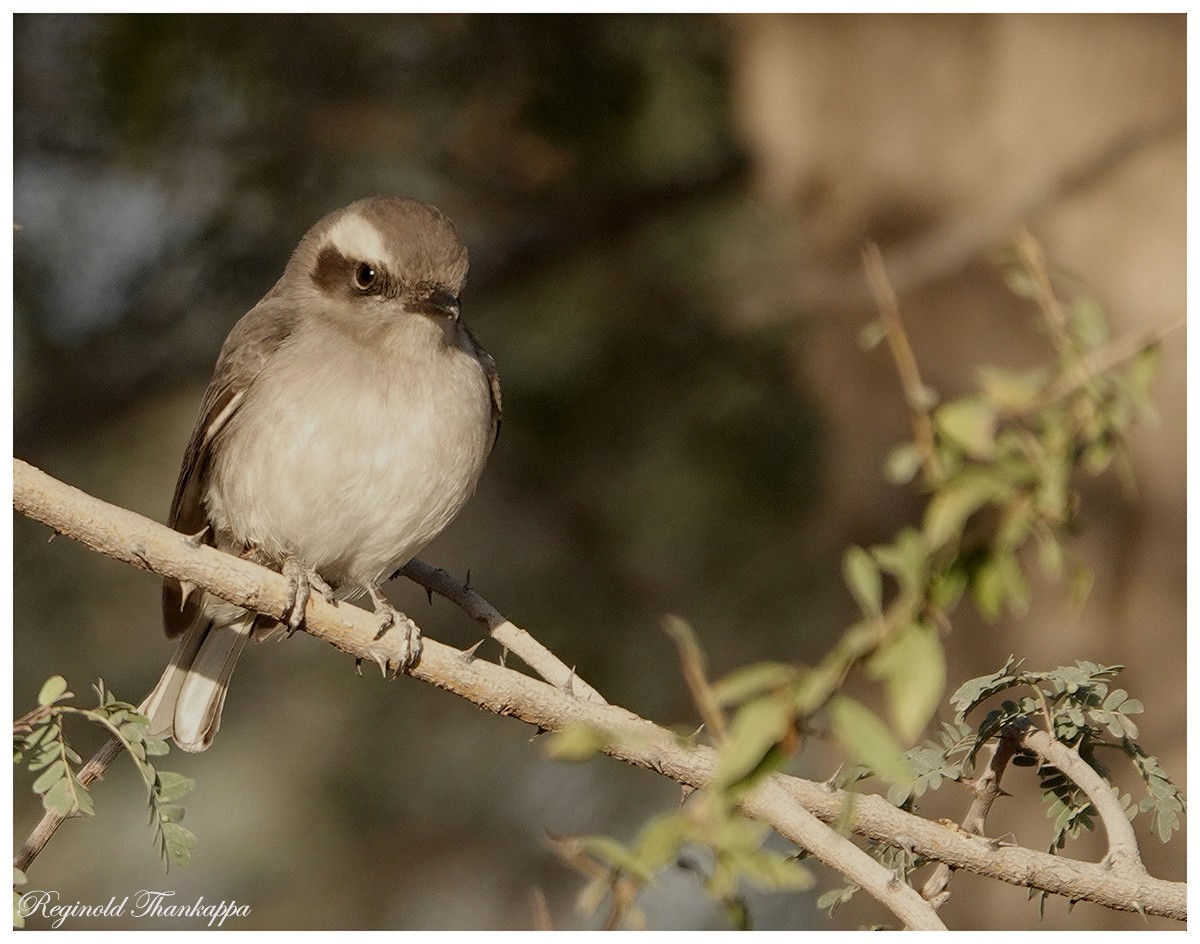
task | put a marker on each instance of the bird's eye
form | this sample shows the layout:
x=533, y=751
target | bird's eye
x=364, y=276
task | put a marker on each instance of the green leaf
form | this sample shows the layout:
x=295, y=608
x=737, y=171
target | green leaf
x=836, y=897
x=902, y=464
x=576, y=742
x=64, y=799
x=661, y=839
x=1116, y=697
x=913, y=666
x=155, y=746
x=1088, y=324
x=987, y=589
x=946, y=588
x=170, y=786
x=868, y=739
x=862, y=577
x=774, y=871
x=1051, y=555
x=178, y=843
x=1143, y=370
x=50, y=776
x=615, y=855
x=1010, y=390
x=972, y=693
x=756, y=728
x=47, y=752
x=53, y=689
x=752, y=680
x=1016, y=590
x=969, y=423
x=906, y=559
x=871, y=334
x=1020, y=283
x=815, y=686
x=956, y=501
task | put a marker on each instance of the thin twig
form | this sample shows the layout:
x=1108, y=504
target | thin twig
x=92, y=771
x=691, y=662
x=1100, y=361
x=1034, y=260
x=544, y=662
x=916, y=394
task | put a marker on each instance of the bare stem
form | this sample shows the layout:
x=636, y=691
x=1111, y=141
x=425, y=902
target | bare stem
x=916, y=394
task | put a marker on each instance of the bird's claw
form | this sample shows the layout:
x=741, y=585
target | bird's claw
x=389, y=619
x=301, y=583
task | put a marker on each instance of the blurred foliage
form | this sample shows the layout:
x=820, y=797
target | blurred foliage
x=997, y=473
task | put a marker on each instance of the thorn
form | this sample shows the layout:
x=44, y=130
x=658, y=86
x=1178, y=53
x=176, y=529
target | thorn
x=53, y=535
x=569, y=685
x=538, y=733
x=381, y=662
x=429, y=594
x=894, y=881
x=1001, y=792
x=467, y=582
x=138, y=550
x=1071, y=903
x=358, y=667
x=468, y=655
x=1137, y=906
x=695, y=735
x=503, y=656
x=195, y=540
x=685, y=791
x=186, y=588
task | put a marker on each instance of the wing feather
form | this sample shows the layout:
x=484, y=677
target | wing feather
x=250, y=345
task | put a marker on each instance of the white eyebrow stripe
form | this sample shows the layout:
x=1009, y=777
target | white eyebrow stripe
x=355, y=238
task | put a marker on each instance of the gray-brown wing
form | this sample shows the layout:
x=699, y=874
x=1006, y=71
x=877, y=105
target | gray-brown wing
x=493, y=376
x=251, y=343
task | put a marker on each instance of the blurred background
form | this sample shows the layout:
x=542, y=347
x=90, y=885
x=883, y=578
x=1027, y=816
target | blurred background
x=665, y=215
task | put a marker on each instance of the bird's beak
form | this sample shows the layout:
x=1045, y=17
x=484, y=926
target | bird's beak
x=440, y=303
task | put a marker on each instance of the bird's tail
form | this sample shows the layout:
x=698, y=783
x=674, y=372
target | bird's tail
x=186, y=703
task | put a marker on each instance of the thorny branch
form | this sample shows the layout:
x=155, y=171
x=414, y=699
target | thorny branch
x=797, y=809
x=986, y=788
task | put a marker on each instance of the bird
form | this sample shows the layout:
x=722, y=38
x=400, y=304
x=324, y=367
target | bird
x=348, y=420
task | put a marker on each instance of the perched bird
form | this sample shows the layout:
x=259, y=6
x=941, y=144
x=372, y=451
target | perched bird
x=347, y=421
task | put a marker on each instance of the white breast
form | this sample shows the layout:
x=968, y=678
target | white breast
x=351, y=457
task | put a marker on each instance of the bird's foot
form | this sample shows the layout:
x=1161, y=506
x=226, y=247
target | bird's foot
x=301, y=583
x=388, y=618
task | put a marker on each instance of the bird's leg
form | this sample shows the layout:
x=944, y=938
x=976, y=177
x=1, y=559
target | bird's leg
x=388, y=617
x=301, y=582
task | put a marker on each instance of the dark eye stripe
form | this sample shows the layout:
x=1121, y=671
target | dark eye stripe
x=334, y=274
